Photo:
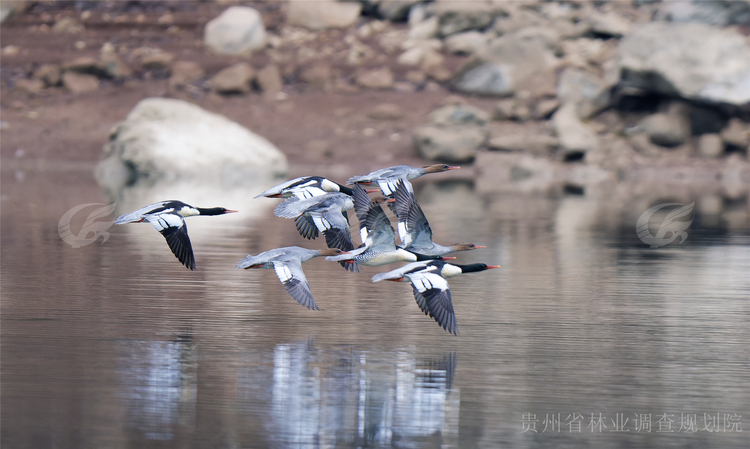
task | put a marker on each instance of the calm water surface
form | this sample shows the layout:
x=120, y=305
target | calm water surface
x=586, y=337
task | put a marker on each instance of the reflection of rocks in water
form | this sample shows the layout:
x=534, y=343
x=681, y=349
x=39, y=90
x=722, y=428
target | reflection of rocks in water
x=160, y=387
x=361, y=398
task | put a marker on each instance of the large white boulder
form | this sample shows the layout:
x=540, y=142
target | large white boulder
x=238, y=30
x=172, y=140
x=692, y=60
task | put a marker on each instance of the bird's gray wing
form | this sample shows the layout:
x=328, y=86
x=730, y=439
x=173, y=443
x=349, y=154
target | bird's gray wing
x=380, y=233
x=306, y=227
x=293, y=278
x=137, y=215
x=413, y=227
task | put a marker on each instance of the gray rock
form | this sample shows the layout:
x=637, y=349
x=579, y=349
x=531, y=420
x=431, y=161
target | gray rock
x=459, y=114
x=238, y=30
x=710, y=146
x=719, y=13
x=322, y=14
x=170, y=140
x=666, y=130
x=453, y=144
x=236, y=79
x=381, y=78
x=509, y=64
x=455, y=17
x=395, y=10
x=79, y=83
x=486, y=78
x=575, y=136
x=587, y=92
x=692, y=60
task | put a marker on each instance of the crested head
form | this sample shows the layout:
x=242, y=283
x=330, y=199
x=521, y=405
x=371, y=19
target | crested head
x=437, y=168
x=466, y=246
x=330, y=252
x=214, y=211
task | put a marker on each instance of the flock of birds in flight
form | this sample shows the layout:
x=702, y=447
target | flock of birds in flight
x=319, y=206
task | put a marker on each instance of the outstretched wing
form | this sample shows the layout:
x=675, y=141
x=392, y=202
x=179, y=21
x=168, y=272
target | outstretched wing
x=293, y=278
x=174, y=230
x=433, y=296
x=413, y=227
x=306, y=227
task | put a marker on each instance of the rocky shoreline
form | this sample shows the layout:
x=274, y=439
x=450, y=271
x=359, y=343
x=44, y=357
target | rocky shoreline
x=543, y=96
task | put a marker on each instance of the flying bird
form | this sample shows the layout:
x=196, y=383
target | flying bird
x=287, y=262
x=168, y=217
x=431, y=291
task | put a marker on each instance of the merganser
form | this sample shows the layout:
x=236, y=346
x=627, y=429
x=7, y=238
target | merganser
x=325, y=214
x=168, y=218
x=414, y=229
x=378, y=236
x=431, y=290
x=305, y=187
x=387, y=178
x=288, y=265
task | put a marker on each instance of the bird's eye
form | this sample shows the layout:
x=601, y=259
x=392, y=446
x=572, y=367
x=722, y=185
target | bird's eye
x=446, y=166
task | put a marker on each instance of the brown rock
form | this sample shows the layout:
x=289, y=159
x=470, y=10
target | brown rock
x=68, y=25
x=438, y=72
x=319, y=75
x=710, y=145
x=386, y=111
x=29, y=86
x=48, y=73
x=79, y=83
x=155, y=60
x=736, y=133
x=375, y=79
x=84, y=64
x=540, y=145
x=114, y=67
x=184, y=73
x=416, y=76
x=269, y=79
x=232, y=80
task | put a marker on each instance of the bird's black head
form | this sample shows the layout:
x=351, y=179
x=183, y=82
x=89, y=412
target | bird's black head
x=215, y=211
x=474, y=267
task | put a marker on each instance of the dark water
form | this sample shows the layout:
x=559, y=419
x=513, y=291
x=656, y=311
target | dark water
x=586, y=337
